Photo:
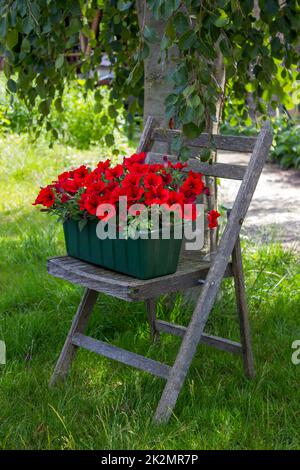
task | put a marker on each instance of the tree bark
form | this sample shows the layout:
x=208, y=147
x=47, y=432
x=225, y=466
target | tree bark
x=156, y=84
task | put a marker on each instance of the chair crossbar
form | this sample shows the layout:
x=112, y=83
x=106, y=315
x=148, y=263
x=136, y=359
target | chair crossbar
x=121, y=355
x=221, y=142
x=219, y=170
x=210, y=340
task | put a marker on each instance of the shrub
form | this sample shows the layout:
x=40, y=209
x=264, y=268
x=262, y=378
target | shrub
x=82, y=123
x=286, y=145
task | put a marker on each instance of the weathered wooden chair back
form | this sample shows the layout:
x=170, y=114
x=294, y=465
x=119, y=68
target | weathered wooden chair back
x=211, y=171
x=226, y=262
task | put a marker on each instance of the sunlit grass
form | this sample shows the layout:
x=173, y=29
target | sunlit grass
x=105, y=405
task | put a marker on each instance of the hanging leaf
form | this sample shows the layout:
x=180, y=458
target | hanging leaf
x=150, y=34
x=191, y=130
x=12, y=38
x=59, y=61
x=110, y=140
x=11, y=85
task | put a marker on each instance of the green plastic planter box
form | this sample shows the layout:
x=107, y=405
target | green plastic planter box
x=141, y=258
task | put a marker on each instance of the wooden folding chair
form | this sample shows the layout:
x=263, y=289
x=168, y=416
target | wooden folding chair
x=190, y=273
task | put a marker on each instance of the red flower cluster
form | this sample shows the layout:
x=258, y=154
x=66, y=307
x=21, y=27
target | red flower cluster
x=81, y=191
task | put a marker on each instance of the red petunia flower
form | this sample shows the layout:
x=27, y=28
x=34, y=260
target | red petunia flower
x=132, y=179
x=212, y=217
x=175, y=198
x=139, y=168
x=81, y=173
x=71, y=186
x=66, y=175
x=45, y=197
x=155, y=167
x=158, y=195
x=192, y=185
x=103, y=166
x=98, y=187
x=135, y=158
x=115, y=172
x=179, y=166
x=91, y=202
x=152, y=180
x=134, y=193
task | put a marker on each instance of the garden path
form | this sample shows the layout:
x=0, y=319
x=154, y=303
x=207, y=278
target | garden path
x=274, y=214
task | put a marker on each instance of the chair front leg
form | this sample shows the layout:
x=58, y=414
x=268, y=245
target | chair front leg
x=78, y=326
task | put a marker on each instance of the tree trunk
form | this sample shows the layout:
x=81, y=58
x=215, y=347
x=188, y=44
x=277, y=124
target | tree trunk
x=156, y=84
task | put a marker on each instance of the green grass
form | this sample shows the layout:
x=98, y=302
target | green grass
x=104, y=405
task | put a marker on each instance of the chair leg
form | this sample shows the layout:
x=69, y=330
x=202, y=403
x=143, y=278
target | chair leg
x=242, y=309
x=78, y=326
x=151, y=312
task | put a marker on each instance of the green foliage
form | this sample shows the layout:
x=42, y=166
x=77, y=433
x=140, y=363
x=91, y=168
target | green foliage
x=37, y=36
x=83, y=121
x=286, y=145
x=260, y=54
x=256, y=58
x=80, y=122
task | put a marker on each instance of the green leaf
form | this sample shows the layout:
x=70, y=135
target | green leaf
x=187, y=40
x=28, y=24
x=181, y=22
x=195, y=101
x=123, y=6
x=205, y=155
x=222, y=21
x=187, y=115
x=12, y=38
x=112, y=112
x=104, y=120
x=191, y=130
x=25, y=47
x=150, y=34
x=11, y=85
x=180, y=75
x=59, y=61
x=109, y=139
x=58, y=105
x=3, y=27
x=44, y=107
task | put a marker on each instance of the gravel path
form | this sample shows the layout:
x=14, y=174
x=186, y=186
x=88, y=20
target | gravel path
x=274, y=214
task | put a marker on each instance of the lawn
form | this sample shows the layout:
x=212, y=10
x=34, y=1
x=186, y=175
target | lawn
x=105, y=405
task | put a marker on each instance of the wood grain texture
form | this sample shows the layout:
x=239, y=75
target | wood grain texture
x=222, y=142
x=146, y=139
x=242, y=308
x=219, y=170
x=214, y=277
x=190, y=270
x=151, y=313
x=78, y=325
x=121, y=355
x=210, y=340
